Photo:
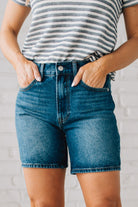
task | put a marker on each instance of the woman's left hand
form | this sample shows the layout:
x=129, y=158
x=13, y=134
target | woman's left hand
x=92, y=73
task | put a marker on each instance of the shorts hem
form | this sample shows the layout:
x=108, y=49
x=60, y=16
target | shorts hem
x=41, y=165
x=99, y=169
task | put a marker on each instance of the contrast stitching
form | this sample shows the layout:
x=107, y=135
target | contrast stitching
x=49, y=75
x=95, y=168
x=94, y=89
x=68, y=102
x=55, y=164
x=29, y=86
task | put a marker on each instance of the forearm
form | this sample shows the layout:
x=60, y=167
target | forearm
x=10, y=47
x=121, y=57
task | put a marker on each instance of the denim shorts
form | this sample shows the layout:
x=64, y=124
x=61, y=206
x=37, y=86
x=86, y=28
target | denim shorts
x=54, y=120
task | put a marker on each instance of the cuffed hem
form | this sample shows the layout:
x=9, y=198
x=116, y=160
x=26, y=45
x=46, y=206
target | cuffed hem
x=102, y=169
x=41, y=165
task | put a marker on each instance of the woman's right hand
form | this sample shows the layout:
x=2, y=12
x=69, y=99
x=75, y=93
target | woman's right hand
x=26, y=71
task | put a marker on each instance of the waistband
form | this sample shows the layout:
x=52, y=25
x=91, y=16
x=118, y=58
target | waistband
x=70, y=66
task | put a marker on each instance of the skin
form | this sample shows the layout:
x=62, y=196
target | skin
x=45, y=187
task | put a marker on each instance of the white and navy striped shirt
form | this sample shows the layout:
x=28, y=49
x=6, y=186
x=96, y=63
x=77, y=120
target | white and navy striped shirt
x=63, y=30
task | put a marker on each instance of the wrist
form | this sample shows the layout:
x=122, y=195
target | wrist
x=106, y=63
x=19, y=59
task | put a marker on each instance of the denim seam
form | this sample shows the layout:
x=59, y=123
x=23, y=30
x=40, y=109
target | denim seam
x=57, y=95
x=52, y=164
x=118, y=166
x=63, y=121
x=94, y=89
x=28, y=87
x=68, y=105
x=50, y=75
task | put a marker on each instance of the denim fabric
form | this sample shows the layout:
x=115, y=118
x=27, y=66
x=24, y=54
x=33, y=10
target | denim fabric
x=52, y=118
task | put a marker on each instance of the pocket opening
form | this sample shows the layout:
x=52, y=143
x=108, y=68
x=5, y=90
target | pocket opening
x=41, y=71
x=29, y=86
x=94, y=88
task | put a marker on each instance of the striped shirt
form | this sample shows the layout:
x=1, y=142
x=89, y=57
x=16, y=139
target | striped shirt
x=66, y=30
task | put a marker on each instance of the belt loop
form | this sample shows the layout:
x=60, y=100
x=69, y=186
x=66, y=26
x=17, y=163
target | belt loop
x=42, y=70
x=74, y=68
x=56, y=65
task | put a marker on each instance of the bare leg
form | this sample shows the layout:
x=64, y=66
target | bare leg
x=101, y=189
x=45, y=186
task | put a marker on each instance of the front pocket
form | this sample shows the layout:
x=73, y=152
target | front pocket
x=29, y=86
x=105, y=88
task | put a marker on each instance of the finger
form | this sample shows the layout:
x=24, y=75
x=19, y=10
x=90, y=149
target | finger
x=36, y=72
x=99, y=83
x=77, y=77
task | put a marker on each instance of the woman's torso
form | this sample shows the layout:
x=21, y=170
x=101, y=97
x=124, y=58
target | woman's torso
x=66, y=30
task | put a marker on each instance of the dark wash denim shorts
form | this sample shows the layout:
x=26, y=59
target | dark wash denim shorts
x=52, y=118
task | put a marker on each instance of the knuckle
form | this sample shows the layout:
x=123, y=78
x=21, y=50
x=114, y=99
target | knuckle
x=36, y=71
x=35, y=66
x=77, y=77
x=81, y=69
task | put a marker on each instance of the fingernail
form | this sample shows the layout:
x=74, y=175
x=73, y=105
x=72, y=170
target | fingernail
x=38, y=78
x=72, y=84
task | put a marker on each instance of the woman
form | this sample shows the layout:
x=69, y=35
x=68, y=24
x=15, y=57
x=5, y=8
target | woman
x=65, y=99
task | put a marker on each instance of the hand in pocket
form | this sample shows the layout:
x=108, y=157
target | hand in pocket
x=27, y=71
x=91, y=74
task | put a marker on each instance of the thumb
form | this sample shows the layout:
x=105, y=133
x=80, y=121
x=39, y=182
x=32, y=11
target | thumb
x=77, y=77
x=36, y=73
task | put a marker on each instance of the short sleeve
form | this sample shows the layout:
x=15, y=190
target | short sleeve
x=22, y=2
x=127, y=3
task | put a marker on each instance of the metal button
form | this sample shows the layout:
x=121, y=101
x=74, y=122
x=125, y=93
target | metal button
x=60, y=67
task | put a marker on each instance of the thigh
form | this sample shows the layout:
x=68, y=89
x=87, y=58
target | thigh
x=100, y=187
x=45, y=187
x=94, y=144
x=41, y=144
